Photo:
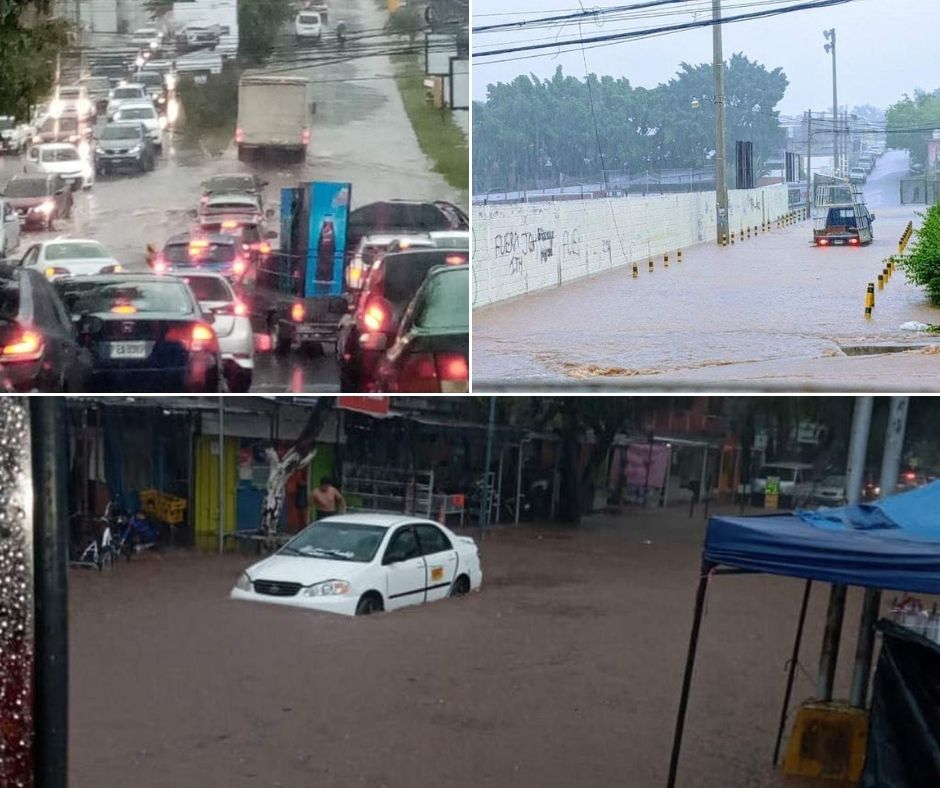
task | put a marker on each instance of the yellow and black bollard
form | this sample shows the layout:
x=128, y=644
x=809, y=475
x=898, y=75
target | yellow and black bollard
x=724, y=239
x=755, y=231
x=732, y=239
x=881, y=282
x=679, y=256
x=869, y=299
x=666, y=260
x=636, y=270
x=651, y=265
x=749, y=232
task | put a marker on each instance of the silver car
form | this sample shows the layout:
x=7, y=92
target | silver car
x=231, y=322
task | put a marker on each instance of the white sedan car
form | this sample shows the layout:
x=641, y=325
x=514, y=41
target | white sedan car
x=144, y=112
x=65, y=159
x=356, y=564
x=231, y=322
x=70, y=257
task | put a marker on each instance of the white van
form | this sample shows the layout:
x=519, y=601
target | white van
x=308, y=25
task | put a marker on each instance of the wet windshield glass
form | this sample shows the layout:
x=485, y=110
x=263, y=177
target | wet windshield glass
x=127, y=92
x=59, y=154
x=72, y=251
x=125, y=297
x=445, y=304
x=208, y=288
x=9, y=299
x=26, y=187
x=120, y=133
x=138, y=113
x=337, y=541
x=197, y=252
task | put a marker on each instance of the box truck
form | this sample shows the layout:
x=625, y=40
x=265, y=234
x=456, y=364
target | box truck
x=273, y=115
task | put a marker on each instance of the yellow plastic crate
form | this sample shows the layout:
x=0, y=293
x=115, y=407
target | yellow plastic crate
x=169, y=509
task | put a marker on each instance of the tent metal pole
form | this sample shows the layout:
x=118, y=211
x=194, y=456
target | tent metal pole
x=858, y=448
x=791, y=670
x=707, y=566
x=890, y=467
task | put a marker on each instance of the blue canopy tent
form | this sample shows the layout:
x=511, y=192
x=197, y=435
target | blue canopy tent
x=893, y=543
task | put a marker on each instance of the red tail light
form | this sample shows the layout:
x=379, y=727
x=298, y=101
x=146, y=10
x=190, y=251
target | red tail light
x=28, y=347
x=239, y=135
x=823, y=242
x=159, y=265
x=297, y=312
x=264, y=248
x=425, y=373
x=853, y=241
x=375, y=316
x=305, y=136
x=455, y=259
x=199, y=337
x=240, y=309
x=238, y=266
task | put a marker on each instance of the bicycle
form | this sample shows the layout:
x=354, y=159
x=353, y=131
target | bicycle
x=97, y=552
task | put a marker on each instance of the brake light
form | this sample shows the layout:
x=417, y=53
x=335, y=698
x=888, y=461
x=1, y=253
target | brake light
x=229, y=224
x=853, y=241
x=52, y=271
x=305, y=136
x=264, y=248
x=238, y=266
x=159, y=265
x=823, y=242
x=240, y=309
x=124, y=309
x=239, y=135
x=424, y=372
x=452, y=366
x=375, y=316
x=27, y=348
x=910, y=476
x=202, y=335
x=355, y=274
x=297, y=312
x=455, y=259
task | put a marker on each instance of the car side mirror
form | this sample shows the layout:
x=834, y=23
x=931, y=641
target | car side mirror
x=270, y=235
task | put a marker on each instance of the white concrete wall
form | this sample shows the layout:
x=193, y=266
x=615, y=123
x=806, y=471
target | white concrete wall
x=523, y=247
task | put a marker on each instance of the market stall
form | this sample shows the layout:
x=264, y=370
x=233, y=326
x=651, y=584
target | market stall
x=890, y=544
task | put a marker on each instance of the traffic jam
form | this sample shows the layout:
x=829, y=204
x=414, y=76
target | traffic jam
x=293, y=275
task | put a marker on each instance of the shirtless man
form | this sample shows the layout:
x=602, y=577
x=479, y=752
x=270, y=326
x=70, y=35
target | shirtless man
x=328, y=499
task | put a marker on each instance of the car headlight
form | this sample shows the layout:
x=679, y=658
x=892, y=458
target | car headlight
x=244, y=582
x=99, y=152
x=134, y=150
x=327, y=588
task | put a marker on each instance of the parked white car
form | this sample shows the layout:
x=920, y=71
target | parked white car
x=14, y=137
x=231, y=322
x=70, y=257
x=356, y=564
x=122, y=93
x=830, y=490
x=143, y=112
x=308, y=25
x=65, y=159
x=9, y=229
x=795, y=479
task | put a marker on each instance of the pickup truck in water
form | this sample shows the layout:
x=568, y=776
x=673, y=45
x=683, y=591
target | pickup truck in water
x=273, y=115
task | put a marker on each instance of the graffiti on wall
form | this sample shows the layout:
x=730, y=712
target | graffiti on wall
x=518, y=246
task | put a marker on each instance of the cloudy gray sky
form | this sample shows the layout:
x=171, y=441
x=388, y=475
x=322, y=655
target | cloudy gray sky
x=885, y=48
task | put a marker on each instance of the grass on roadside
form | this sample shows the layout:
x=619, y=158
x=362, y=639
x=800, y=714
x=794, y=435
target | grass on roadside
x=440, y=139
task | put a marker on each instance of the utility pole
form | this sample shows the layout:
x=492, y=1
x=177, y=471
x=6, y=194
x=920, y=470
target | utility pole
x=718, y=66
x=890, y=466
x=809, y=163
x=855, y=469
x=487, y=497
x=830, y=35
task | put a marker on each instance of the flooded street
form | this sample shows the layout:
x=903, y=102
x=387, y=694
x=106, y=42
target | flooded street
x=771, y=312
x=360, y=133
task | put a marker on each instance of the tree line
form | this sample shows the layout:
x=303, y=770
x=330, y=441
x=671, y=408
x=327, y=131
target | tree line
x=532, y=131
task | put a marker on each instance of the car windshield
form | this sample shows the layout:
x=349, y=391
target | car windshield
x=120, y=133
x=785, y=474
x=451, y=242
x=59, y=154
x=209, y=288
x=337, y=541
x=232, y=206
x=446, y=304
x=70, y=93
x=127, y=92
x=9, y=299
x=138, y=113
x=309, y=19
x=405, y=273
x=125, y=297
x=26, y=187
x=66, y=125
x=97, y=83
x=75, y=251
x=233, y=183
x=834, y=481
x=150, y=79
x=194, y=252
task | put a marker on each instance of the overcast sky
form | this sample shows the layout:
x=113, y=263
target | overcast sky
x=885, y=48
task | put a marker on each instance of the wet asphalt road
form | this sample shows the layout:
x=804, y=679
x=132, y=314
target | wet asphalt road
x=769, y=313
x=360, y=133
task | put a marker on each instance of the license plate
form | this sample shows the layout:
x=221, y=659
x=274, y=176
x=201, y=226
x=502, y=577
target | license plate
x=838, y=241
x=128, y=350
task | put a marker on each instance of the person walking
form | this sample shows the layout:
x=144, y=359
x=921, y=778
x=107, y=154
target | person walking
x=328, y=499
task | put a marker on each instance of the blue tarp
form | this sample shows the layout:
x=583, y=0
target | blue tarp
x=892, y=544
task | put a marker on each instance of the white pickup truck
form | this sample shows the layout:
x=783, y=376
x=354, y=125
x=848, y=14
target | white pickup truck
x=273, y=115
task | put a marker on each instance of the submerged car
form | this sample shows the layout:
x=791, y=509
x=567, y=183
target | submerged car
x=356, y=564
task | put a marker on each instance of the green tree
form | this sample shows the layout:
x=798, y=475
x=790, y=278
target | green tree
x=259, y=23
x=407, y=21
x=922, y=266
x=29, y=42
x=921, y=112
